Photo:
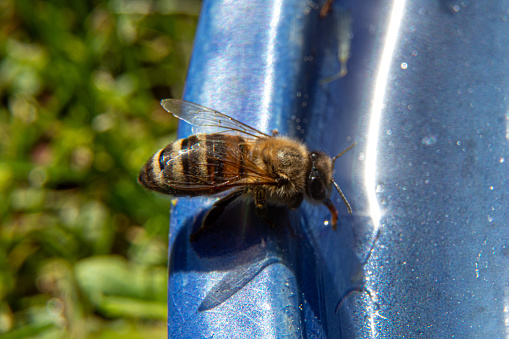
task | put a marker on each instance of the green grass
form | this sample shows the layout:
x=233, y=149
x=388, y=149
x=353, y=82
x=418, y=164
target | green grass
x=83, y=248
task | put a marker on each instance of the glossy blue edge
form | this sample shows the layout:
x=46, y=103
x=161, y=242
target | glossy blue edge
x=440, y=267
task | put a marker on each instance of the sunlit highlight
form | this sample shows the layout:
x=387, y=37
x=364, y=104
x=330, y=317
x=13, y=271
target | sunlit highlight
x=506, y=312
x=374, y=127
x=376, y=111
x=268, y=82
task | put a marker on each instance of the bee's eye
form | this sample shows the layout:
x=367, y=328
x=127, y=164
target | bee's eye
x=317, y=188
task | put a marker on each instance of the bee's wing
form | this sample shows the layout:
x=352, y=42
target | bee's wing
x=215, y=171
x=206, y=120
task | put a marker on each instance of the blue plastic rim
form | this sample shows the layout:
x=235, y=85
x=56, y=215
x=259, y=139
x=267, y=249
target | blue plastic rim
x=441, y=265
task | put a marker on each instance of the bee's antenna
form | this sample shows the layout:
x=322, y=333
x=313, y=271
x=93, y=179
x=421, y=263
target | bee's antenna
x=343, y=152
x=348, y=207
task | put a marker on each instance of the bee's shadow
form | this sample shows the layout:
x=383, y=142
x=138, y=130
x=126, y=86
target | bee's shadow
x=243, y=246
x=238, y=237
x=239, y=243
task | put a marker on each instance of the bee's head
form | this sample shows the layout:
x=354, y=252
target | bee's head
x=319, y=180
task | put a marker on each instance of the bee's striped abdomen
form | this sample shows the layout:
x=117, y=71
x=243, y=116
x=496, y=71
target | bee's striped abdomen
x=225, y=157
x=191, y=158
x=199, y=164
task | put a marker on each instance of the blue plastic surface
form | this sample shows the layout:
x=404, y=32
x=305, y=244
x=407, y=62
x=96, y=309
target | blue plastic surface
x=441, y=265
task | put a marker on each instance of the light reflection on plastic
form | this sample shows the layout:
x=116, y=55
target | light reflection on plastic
x=374, y=127
x=268, y=82
x=506, y=312
x=376, y=110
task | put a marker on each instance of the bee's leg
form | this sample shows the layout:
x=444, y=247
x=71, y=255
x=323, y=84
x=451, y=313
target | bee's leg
x=260, y=198
x=215, y=212
x=333, y=212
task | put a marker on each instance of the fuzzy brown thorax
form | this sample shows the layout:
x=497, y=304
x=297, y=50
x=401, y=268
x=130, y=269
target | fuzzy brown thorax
x=285, y=159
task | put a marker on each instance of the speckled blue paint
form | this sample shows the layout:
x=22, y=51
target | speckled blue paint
x=440, y=267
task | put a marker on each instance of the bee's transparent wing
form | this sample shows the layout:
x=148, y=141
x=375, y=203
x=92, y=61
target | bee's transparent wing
x=206, y=120
x=222, y=168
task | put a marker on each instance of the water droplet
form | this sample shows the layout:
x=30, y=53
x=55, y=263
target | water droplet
x=429, y=140
x=404, y=65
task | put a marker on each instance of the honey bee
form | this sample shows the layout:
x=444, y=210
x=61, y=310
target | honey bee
x=227, y=155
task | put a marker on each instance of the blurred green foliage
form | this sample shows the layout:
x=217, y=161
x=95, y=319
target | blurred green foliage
x=83, y=248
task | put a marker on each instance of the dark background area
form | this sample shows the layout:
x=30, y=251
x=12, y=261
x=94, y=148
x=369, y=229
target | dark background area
x=83, y=247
